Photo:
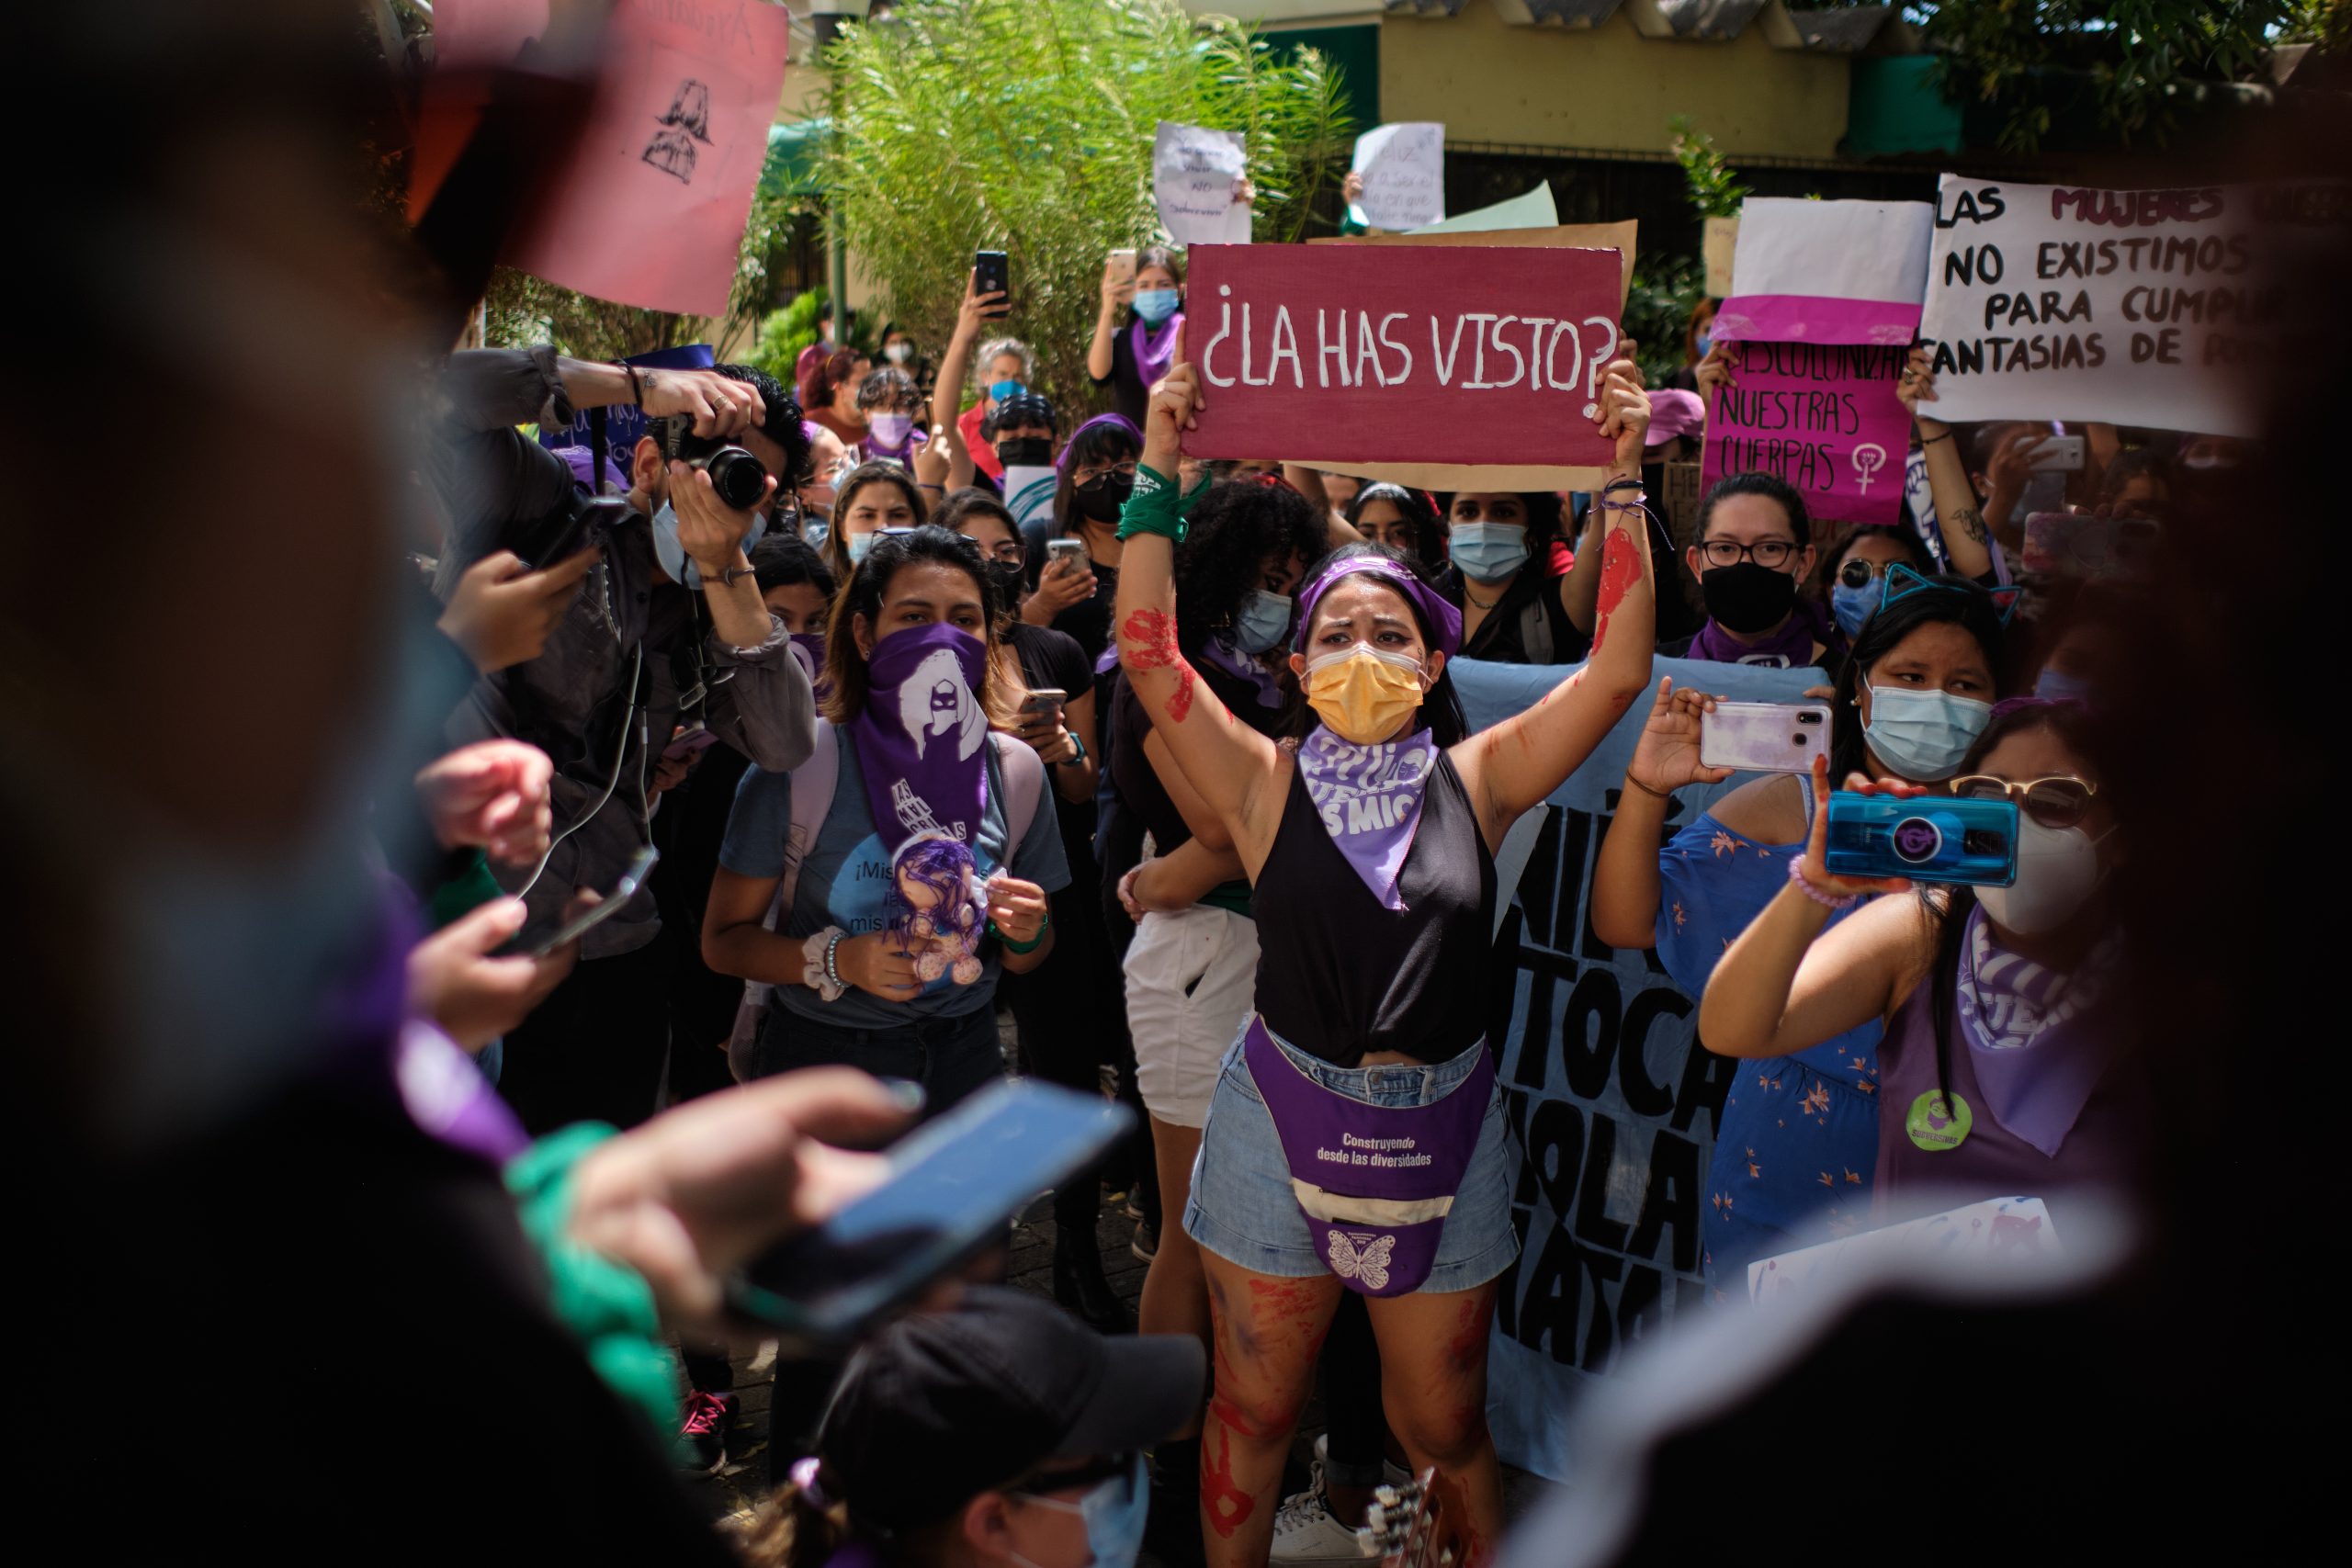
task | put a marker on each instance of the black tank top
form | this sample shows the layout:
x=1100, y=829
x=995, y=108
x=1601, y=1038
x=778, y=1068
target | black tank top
x=1340, y=973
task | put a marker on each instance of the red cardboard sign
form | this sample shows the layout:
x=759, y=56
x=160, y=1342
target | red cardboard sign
x=1478, y=354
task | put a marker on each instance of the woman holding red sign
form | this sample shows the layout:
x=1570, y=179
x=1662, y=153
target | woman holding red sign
x=1356, y=1139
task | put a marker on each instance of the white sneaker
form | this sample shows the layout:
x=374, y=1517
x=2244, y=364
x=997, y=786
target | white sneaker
x=1306, y=1535
x=1391, y=1472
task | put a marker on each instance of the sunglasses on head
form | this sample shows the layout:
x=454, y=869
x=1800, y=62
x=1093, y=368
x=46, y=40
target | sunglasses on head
x=2059, y=801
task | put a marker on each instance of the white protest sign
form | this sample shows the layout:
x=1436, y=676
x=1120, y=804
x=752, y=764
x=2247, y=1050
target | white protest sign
x=1403, y=167
x=1998, y=1230
x=1029, y=494
x=1828, y=272
x=1195, y=177
x=2127, y=307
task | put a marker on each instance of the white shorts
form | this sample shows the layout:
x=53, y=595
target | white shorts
x=1191, y=981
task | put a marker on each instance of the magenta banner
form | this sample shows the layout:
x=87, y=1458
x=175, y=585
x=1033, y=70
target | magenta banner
x=1822, y=416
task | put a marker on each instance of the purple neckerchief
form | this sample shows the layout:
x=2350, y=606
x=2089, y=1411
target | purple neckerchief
x=1791, y=648
x=1376, y=1182
x=1155, y=351
x=1369, y=800
x=1443, y=618
x=808, y=650
x=448, y=1098
x=921, y=740
x=1242, y=667
x=2035, y=1058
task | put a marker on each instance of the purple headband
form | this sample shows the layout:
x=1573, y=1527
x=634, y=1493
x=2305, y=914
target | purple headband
x=1443, y=618
x=1062, y=464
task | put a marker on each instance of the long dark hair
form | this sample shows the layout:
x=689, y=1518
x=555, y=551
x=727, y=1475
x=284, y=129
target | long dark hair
x=1440, y=708
x=1948, y=907
x=1545, y=510
x=846, y=489
x=845, y=665
x=1420, y=512
x=1233, y=531
x=1959, y=601
x=1106, y=438
x=1824, y=575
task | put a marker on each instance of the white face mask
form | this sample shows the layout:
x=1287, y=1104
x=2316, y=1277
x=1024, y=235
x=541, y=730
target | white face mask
x=2058, y=870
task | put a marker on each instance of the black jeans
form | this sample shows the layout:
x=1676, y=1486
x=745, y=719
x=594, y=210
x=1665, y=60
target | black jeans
x=593, y=1051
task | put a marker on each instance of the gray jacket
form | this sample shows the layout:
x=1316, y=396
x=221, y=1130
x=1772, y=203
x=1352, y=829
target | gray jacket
x=573, y=700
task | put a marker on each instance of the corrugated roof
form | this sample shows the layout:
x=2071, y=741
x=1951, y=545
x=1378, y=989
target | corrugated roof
x=1849, y=31
x=1710, y=18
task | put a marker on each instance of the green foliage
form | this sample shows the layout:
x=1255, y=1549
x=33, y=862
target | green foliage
x=2146, y=58
x=1658, y=308
x=784, y=334
x=1027, y=125
x=1716, y=191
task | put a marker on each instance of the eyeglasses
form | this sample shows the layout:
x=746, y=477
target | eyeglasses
x=1094, y=480
x=1009, y=552
x=2059, y=801
x=1858, y=573
x=1771, y=554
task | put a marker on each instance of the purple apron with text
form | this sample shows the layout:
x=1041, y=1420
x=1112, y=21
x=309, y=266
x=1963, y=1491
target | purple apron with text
x=1376, y=1182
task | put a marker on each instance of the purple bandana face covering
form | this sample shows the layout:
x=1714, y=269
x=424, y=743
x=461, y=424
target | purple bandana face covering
x=1369, y=800
x=921, y=738
x=1376, y=1182
x=808, y=652
x=1444, y=620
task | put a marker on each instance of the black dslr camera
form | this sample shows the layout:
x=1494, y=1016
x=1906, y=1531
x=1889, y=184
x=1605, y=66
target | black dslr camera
x=739, y=478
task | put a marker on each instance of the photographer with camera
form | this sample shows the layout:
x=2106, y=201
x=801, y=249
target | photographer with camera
x=669, y=629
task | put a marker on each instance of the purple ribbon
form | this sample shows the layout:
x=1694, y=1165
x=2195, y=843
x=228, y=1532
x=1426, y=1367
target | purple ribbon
x=1444, y=620
x=921, y=740
x=1369, y=800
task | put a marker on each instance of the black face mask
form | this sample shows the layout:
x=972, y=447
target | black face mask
x=1103, y=500
x=1007, y=576
x=1747, y=598
x=1026, y=452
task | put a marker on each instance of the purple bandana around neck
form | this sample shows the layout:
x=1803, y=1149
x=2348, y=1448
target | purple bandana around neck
x=1443, y=618
x=1241, y=667
x=1791, y=648
x=2035, y=1057
x=1155, y=351
x=1376, y=1182
x=921, y=740
x=1369, y=800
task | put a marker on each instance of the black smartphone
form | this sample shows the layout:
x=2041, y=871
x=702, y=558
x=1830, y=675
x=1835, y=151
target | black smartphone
x=992, y=274
x=953, y=1186
x=547, y=541
x=537, y=939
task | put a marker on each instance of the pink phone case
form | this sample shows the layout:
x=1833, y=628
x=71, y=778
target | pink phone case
x=1764, y=737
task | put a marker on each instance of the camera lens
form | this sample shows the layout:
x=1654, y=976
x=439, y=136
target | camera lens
x=739, y=477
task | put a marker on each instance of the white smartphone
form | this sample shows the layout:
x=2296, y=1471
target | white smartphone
x=1764, y=737
x=1060, y=551
x=2059, y=454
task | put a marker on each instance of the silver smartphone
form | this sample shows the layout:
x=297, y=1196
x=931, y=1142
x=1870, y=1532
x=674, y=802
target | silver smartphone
x=537, y=942
x=1060, y=551
x=1764, y=737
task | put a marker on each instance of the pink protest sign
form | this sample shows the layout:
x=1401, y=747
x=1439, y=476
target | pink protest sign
x=1403, y=354
x=650, y=208
x=1822, y=416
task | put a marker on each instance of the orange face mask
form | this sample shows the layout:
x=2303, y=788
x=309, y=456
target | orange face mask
x=1361, y=693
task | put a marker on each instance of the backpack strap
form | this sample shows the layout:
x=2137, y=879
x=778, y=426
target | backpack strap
x=1025, y=787
x=812, y=797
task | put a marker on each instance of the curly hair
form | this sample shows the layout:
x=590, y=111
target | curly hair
x=890, y=389
x=1235, y=532
x=783, y=425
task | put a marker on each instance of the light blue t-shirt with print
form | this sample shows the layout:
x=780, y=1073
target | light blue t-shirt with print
x=845, y=882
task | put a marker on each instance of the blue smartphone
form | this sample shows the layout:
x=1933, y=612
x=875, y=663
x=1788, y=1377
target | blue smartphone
x=1928, y=838
x=953, y=1186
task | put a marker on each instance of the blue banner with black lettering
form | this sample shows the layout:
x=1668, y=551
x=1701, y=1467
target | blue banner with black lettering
x=1612, y=1100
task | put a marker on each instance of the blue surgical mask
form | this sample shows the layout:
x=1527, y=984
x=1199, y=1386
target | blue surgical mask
x=1115, y=1510
x=999, y=390
x=1156, y=305
x=1264, y=621
x=2057, y=686
x=1852, y=606
x=670, y=551
x=1706, y=343
x=859, y=544
x=1923, y=735
x=1487, y=552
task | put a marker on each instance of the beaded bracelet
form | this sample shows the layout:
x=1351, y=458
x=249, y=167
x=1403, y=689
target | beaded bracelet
x=817, y=968
x=1827, y=901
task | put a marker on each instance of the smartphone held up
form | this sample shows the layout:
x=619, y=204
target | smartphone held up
x=1924, y=838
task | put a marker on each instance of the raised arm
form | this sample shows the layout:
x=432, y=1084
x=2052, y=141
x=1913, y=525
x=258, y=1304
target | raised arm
x=1625, y=880
x=954, y=364
x=1100, y=356
x=1966, y=539
x=1231, y=764
x=1580, y=590
x=1509, y=768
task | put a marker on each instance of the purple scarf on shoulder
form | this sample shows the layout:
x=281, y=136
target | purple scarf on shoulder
x=2035, y=1058
x=1155, y=350
x=1791, y=648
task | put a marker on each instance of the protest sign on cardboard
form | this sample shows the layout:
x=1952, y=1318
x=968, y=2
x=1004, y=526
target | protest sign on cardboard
x=1533, y=210
x=2132, y=307
x=1719, y=238
x=673, y=148
x=1828, y=272
x=1403, y=167
x=1369, y=352
x=1822, y=416
x=1195, y=177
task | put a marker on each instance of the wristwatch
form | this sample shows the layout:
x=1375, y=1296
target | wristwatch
x=727, y=576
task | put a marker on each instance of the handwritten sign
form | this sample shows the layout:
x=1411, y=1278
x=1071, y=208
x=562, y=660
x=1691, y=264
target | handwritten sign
x=649, y=207
x=1823, y=417
x=1828, y=272
x=1719, y=238
x=1403, y=167
x=1608, y=1091
x=1479, y=355
x=1195, y=178
x=2134, y=307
